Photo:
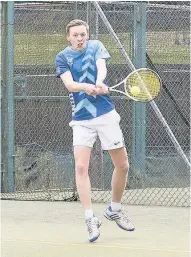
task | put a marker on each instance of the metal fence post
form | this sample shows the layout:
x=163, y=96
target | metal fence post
x=139, y=109
x=3, y=97
x=10, y=95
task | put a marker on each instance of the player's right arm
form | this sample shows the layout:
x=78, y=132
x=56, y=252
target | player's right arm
x=73, y=86
x=63, y=71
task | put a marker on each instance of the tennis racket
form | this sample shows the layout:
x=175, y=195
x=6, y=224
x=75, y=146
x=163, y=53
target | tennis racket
x=142, y=85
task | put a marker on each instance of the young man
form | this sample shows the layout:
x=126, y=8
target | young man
x=82, y=68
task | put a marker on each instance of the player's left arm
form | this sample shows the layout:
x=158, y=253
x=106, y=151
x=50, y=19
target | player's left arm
x=101, y=71
x=101, y=57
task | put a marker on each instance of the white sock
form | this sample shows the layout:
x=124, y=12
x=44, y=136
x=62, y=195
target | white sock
x=115, y=206
x=89, y=213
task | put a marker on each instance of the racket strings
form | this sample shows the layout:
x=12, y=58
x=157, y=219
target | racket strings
x=148, y=83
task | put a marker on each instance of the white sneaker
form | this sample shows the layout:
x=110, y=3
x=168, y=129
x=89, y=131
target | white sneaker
x=93, y=225
x=120, y=218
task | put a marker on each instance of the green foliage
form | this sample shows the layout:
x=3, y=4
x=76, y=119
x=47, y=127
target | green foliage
x=32, y=49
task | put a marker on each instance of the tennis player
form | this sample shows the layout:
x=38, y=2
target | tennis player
x=82, y=68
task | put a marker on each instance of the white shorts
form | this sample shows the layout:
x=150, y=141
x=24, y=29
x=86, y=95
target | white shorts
x=105, y=126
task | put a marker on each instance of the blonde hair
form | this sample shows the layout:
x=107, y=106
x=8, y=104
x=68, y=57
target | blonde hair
x=74, y=23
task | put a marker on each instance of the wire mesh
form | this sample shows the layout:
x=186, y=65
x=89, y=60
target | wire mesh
x=44, y=163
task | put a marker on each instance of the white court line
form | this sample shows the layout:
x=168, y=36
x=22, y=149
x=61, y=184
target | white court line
x=98, y=245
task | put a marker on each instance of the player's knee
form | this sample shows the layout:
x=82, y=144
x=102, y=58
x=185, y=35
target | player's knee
x=123, y=166
x=81, y=169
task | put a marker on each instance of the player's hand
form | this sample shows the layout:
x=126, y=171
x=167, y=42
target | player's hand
x=102, y=88
x=91, y=89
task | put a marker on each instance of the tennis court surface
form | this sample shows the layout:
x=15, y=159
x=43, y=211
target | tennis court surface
x=55, y=229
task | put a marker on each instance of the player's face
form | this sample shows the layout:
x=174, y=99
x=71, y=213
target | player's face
x=77, y=37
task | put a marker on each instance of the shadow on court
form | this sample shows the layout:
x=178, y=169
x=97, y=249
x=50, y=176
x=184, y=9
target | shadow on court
x=57, y=229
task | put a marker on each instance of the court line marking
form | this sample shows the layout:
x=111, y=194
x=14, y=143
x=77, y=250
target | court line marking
x=97, y=245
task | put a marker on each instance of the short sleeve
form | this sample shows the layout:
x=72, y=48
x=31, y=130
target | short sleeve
x=101, y=52
x=61, y=65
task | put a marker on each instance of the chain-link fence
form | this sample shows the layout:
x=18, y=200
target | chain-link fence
x=44, y=164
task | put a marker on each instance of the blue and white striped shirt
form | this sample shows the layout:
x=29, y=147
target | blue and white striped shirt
x=82, y=65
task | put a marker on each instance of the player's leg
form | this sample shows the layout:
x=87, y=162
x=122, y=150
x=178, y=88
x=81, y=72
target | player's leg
x=112, y=140
x=83, y=140
x=120, y=174
x=119, y=180
x=82, y=157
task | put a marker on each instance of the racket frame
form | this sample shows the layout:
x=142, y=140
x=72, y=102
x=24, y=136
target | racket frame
x=124, y=82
